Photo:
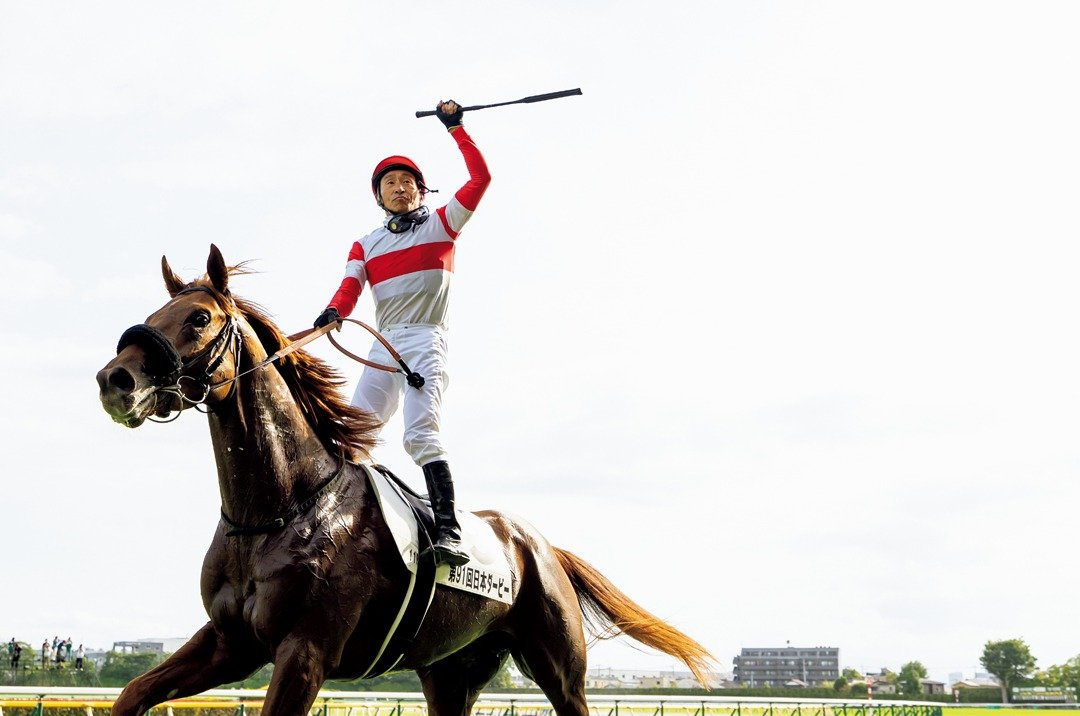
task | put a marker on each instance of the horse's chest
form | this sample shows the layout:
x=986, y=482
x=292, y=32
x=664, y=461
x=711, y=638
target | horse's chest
x=270, y=594
x=245, y=597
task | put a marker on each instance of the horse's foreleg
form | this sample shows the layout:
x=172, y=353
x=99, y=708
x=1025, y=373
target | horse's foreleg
x=299, y=671
x=204, y=662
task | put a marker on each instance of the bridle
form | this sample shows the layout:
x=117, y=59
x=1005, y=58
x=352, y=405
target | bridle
x=161, y=355
x=171, y=373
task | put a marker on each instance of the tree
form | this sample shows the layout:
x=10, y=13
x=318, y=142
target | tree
x=911, y=675
x=840, y=684
x=1010, y=661
x=502, y=681
x=1060, y=675
x=122, y=668
x=851, y=674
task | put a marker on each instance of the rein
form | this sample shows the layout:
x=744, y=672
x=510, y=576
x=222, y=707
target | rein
x=301, y=339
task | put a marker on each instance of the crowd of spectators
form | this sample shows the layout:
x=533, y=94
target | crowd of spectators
x=56, y=654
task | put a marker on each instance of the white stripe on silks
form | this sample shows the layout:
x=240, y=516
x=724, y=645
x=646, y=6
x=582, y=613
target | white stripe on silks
x=355, y=269
x=457, y=215
x=417, y=282
x=383, y=241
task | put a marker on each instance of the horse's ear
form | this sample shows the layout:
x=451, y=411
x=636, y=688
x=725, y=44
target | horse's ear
x=173, y=283
x=217, y=270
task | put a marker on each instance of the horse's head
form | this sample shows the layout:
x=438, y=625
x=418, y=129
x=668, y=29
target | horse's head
x=181, y=355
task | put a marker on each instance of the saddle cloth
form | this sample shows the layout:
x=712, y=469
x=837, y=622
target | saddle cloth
x=488, y=571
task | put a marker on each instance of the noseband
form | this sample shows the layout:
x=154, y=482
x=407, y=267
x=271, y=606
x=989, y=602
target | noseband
x=163, y=363
x=169, y=372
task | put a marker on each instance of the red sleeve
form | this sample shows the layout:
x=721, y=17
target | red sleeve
x=346, y=297
x=479, y=178
x=349, y=291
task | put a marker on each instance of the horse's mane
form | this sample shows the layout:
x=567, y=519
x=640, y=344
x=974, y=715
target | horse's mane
x=314, y=384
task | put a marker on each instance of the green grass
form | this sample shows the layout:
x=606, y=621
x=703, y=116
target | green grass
x=993, y=710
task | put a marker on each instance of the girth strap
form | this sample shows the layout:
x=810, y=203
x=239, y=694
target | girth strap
x=399, y=638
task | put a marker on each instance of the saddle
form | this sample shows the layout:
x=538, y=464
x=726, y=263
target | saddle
x=419, y=504
x=411, y=522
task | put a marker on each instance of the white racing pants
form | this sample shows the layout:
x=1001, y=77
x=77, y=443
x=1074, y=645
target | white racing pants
x=423, y=348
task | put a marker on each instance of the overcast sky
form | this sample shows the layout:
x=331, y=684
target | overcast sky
x=775, y=324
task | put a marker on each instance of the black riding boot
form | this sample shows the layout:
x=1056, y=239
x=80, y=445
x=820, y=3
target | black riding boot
x=448, y=532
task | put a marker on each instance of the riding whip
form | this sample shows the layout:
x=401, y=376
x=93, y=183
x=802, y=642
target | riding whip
x=523, y=100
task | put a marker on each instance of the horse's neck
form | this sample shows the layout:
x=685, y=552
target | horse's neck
x=268, y=456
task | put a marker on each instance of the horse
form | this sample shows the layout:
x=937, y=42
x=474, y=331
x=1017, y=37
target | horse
x=314, y=591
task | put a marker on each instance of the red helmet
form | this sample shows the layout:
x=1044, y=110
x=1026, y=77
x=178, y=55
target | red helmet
x=395, y=162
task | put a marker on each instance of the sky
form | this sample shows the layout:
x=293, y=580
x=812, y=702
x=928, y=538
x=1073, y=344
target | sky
x=775, y=324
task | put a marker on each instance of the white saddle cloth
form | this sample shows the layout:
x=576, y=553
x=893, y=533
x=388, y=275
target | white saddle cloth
x=487, y=572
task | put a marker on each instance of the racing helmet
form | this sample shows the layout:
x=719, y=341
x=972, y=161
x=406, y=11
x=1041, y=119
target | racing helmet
x=396, y=162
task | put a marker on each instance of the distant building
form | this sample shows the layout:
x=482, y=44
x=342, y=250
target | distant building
x=608, y=681
x=674, y=680
x=880, y=683
x=776, y=666
x=930, y=687
x=138, y=647
x=151, y=646
x=613, y=678
x=972, y=680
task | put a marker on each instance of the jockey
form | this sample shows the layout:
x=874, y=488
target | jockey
x=409, y=262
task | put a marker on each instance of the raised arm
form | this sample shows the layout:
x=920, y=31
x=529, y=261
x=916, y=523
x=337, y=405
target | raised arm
x=468, y=196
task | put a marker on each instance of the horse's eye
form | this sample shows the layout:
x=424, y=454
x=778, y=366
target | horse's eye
x=200, y=319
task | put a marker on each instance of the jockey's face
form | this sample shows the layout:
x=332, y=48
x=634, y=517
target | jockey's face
x=399, y=191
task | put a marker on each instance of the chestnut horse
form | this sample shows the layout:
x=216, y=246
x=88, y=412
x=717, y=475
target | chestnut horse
x=315, y=591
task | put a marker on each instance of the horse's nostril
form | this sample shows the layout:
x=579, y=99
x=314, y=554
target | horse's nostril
x=122, y=380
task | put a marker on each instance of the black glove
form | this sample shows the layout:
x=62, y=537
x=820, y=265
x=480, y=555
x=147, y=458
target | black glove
x=328, y=316
x=449, y=120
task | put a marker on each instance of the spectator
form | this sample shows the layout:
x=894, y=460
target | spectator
x=80, y=653
x=67, y=649
x=45, y=654
x=15, y=656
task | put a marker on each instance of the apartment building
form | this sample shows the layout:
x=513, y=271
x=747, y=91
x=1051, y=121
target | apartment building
x=787, y=666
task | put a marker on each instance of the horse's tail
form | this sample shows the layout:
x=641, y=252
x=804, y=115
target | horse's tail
x=609, y=612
